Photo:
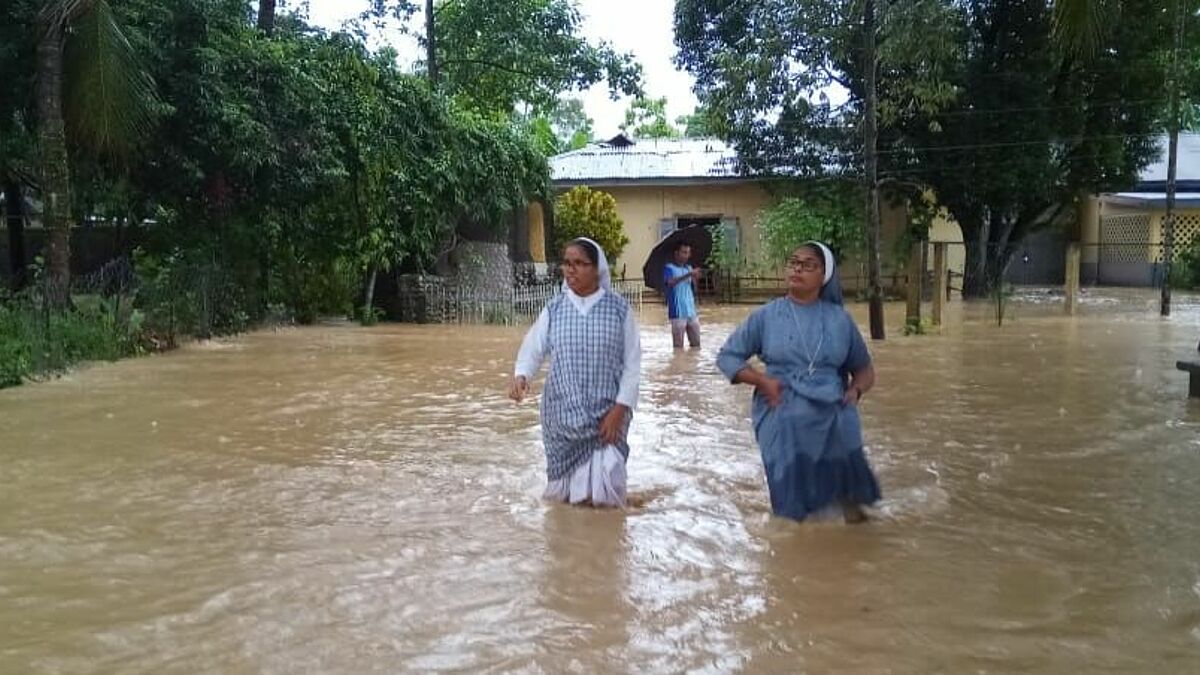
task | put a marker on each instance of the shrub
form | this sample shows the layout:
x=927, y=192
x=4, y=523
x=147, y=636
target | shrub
x=584, y=212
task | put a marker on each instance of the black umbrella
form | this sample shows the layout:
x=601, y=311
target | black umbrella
x=696, y=236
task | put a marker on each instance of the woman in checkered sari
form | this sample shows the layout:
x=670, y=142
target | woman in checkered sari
x=591, y=336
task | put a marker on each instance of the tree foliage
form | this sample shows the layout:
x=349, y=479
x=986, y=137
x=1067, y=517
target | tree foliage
x=288, y=159
x=831, y=214
x=566, y=127
x=647, y=118
x=499, y=55
x=977, y=102
x=701, y=123
x=1035, y=129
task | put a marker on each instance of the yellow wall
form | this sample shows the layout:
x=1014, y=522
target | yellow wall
x=641, y=209
x=537, y=232
x=946, y=229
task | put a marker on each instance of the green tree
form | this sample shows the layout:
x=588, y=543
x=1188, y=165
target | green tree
x=305, y=156
x=295, y=165
x=770, y=92
x=1034, y=128
x=501, y=55
x=830, y=213
x=583, y=212
x=572, y=124
x=1007, y=133
x=17, y=140
x=701, y=123
x=566, y=127
x=647, y=118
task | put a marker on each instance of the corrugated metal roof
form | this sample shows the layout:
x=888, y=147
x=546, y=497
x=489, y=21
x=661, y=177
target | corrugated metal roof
x=695, y=159
x=646, y=159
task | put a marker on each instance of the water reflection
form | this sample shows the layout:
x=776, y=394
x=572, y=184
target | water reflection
x=584, y=587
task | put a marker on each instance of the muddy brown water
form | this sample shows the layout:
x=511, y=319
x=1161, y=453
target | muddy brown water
x=340, y=499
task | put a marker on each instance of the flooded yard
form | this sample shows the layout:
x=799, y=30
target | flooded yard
x=345, y=499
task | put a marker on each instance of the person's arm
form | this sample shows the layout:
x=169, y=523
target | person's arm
x=612, y=424
x=631, y=372
x=744, y=343
x=530, y=356
x=675, y=280
x=861, y=382
x=858, y=364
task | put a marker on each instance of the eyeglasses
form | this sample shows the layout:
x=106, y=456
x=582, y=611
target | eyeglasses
x=575, y=264
x=805, y=265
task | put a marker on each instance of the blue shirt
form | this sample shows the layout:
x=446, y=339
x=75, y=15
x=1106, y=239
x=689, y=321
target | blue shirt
x=681, y=300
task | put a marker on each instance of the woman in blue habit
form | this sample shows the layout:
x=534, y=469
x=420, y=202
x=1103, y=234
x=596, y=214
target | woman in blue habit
x=805, y=405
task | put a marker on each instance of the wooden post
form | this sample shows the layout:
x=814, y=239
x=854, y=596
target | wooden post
x=1072, y=289
x=940, y=281
x=916, y=270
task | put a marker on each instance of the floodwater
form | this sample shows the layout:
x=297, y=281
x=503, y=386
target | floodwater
x=346, y=500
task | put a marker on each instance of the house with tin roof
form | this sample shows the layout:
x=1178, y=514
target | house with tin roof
x=663, y=184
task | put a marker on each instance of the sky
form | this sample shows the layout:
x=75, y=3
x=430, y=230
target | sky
x=643, y=27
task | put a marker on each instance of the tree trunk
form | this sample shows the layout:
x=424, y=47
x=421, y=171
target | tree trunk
x=368, y=312
x=871, y=167
x=430, y=44
x=266, y=16
x=975, y=270
x=55, y=169
x=986, y=264
x=14, y=205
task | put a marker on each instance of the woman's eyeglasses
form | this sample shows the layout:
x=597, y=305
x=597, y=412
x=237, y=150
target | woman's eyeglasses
x=805, y=265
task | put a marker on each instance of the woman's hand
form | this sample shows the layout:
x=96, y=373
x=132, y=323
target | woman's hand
x=861, y=382
x=612, y=424
x=771, y=389
x=517, y=388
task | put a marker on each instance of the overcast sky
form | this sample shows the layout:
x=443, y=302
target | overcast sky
x=643, y=27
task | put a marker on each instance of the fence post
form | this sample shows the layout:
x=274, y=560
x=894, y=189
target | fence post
x=941, y=281
x=1072, y=277
x=916, y=270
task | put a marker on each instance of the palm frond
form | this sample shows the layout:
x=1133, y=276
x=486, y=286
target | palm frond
x=1080, y=25
x=109, y=100
x=63, y=12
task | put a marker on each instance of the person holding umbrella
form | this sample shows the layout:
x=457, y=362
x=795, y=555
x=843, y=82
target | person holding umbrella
x=679, y=279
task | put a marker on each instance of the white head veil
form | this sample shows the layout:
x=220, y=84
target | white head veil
x=831, y=287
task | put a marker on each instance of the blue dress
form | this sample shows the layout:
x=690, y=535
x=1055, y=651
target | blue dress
x=811, y=444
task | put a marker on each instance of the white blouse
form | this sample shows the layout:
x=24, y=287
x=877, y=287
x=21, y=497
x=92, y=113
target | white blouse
x=533, y=348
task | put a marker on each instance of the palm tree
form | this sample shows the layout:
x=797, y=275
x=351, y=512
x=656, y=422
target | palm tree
x=1079, y=25
x=88, y=84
